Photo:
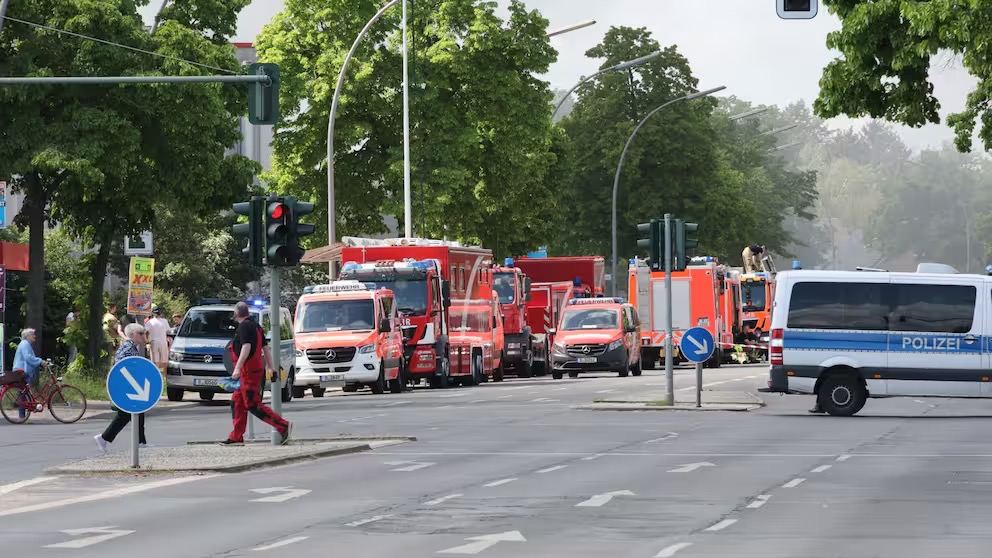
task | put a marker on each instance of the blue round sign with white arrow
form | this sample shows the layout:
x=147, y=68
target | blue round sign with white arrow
x=697, y=344
x=134, y=384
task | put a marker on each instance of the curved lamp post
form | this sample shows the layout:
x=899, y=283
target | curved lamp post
x=616, y=178
x=621, y=66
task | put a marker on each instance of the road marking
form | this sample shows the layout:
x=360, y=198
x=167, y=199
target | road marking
x=288, y=493
x=284, y=542
x=821, y=468
x=8, y=488
x=917, y=401
x=444, y=407
x=755, y=377
x=552, y=469
x=102, y=534
x=603, y=499
x=451, y=395
x=844, y=457
x=116, y=493
x=367, y=520
x=593, y=457
x=394, y=403
x=544, y=400
x=410, y=465
x=356, y=419
x=606, y=391
x=500, y=482
x=442, y=499
x=690, y=467
x=670, y=551
x=560, y=389
x=483, y=542
x=721, y=525
x=479, y=401
x=794, y=483
x=759, y=501
x=505, y=396
x=669, y=436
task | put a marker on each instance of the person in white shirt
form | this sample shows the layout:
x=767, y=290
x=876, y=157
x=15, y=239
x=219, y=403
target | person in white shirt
x=158, y=337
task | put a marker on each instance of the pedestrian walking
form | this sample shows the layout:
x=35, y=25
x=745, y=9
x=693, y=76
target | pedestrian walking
x=133, y=345
x=158, y=338
x=250, y=353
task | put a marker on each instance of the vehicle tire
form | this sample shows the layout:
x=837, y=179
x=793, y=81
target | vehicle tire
x=396, y=386
x=573, y=374
x=206, y=396
x=477, y=372
x=379, y=385
x=9, y=407
x=443, y=381
x=299, y=392
x=317, y=391
x=67, y=404
x=649, y=359
x=556, y=374
x=174, y=394
x=636, y=369
x=624, y=373
x=498, y=374
x=286, y=391
x=526, y=368
x=350, y=388
x=842, y=395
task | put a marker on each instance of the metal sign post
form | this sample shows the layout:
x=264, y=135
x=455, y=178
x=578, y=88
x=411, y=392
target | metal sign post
x=275, y=309
x=134, y=386
x=697, y=346
x=669, y=369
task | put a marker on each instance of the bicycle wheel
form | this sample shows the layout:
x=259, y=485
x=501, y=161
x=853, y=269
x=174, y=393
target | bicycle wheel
x=67, y=404
x=12, y=404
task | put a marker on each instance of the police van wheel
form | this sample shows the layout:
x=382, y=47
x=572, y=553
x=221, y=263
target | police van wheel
x=317, y=391
x=556, y=374
x=174, y=394
x=842, y=395
x=573, y=374
x=206, y=396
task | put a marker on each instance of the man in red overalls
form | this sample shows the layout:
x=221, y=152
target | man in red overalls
x=251, y=356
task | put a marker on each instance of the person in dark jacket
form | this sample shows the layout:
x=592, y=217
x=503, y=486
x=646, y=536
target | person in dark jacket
x=133, y=345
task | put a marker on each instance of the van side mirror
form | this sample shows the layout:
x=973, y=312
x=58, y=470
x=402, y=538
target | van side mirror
x=385, y=326
x=551, y=331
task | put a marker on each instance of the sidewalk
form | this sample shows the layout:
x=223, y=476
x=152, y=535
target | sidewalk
x=202, y=458
x=655, y=400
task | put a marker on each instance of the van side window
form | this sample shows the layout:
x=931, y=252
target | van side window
x=839, y=306
x=933, y=308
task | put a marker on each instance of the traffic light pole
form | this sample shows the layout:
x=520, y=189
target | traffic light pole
x=669, y=369
x=275, y=311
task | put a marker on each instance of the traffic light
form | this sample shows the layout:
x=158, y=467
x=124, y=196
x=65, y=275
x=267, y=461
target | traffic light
x=652, y=236
x=252, y=230
x=278, y=215
x=297, y=229
x=263, y=99
x=685, y=242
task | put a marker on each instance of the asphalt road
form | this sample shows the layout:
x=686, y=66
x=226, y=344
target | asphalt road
x=513, y=469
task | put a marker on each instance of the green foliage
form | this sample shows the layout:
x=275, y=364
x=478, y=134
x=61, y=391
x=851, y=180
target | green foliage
x=887, y=48
x=482, y=146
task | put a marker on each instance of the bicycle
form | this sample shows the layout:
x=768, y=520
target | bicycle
x=65, y=402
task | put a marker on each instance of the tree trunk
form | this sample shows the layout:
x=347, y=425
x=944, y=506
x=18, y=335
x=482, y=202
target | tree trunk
x=94, y=322
x=34, y=205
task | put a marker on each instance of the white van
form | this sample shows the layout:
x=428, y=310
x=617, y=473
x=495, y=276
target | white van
x=849, y=335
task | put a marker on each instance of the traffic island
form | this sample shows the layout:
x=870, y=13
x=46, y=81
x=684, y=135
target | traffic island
x=199, y=457
x=684, y=401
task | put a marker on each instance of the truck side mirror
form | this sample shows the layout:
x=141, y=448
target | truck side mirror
x=495, y=323
x=446, y=293
x=526, y=289
x=408, y=332
x=385, y=326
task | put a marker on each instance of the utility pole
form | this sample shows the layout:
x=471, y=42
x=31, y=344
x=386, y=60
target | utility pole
x=669, y=369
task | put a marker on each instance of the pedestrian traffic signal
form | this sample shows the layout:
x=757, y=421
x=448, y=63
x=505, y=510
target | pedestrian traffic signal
x=685, y=243
x=252, y=230
x=651, y=236
x=297, y=230
x=277, y=218
x=263, y=98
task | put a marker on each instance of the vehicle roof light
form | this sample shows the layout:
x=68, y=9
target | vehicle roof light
x=603, y=300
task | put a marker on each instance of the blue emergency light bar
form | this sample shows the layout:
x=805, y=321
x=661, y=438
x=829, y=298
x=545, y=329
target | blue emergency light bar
x=508, y=262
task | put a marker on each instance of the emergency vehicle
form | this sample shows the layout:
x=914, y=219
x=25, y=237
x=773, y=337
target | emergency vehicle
x=589, y=270
x=699, y=299
x=346, y=333
x=477, y=338
x=757, y=295
x=424, y=275
x=597, y=334
x=513, y=289
x=547, y=300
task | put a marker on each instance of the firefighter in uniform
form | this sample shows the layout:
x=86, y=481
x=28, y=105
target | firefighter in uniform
x=752, y=258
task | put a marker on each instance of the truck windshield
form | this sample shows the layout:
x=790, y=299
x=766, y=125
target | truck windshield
x=411, y=296
x=469, y=319
x=503, y=284
x=208, y=323
x=754, y=296
x=589, y=319
x=335, y=315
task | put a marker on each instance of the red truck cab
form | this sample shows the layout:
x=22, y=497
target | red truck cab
x=513, y=289
x=476, y=341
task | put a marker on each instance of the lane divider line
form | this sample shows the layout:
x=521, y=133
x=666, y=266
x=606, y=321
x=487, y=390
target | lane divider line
x=552, y=469
x=670, y=551
x=794, y=483
x=500, y=482
x=721, y=525
x=844, y=457
x=284, y=542
x=821, y=468
x=759, y=501
x=442, y=499
x=367, y=520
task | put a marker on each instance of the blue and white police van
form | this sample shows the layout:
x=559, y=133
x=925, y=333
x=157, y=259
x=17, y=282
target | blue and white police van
x=196, y=358
x=846, y=336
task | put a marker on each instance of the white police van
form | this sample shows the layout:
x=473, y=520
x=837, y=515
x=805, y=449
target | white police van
x=849, y=335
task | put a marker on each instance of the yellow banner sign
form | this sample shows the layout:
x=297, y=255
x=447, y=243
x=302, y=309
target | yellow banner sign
x=139, y=286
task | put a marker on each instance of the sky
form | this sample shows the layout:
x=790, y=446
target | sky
x=741, y=44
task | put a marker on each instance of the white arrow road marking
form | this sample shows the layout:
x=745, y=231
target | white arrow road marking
x=500, y=482
x=601, y=499
x=284, y=542
x=442, y=499
x=552, y=469
x=668, y=436
x=670, y=551
x=410, y=465
x=721, y=525
x=701, y=347
x=690, y=467
x=288, y=493
x=759, y=501
x=483, y=542
x=102, y=534
x=361, y=522
x=140, y=393
x=8, y=488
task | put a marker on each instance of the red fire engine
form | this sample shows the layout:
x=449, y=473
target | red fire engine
x=589, y=270
x=513, y=289
x=547, y=300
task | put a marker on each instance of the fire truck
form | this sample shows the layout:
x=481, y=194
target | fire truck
x=590, y=270
x=476, y=341
x=424, y=275
x=513, y=289
x=699, y=299
x=547, y=300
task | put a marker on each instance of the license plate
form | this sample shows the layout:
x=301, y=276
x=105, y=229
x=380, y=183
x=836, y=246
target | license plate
x=332, y=377
x=204, y=382
x=587, y=360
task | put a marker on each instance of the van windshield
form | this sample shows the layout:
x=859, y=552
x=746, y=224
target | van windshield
x=208, y=323
x=589, y=319
x=335, y=315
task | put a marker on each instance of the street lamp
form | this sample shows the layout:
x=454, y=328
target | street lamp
x=748, y=114
x=778, y=130
x=3, y=11
x=621, y=66
x=570, y=28
x=623, y=155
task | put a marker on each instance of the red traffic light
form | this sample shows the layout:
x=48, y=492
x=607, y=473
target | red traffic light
x=277, y=210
